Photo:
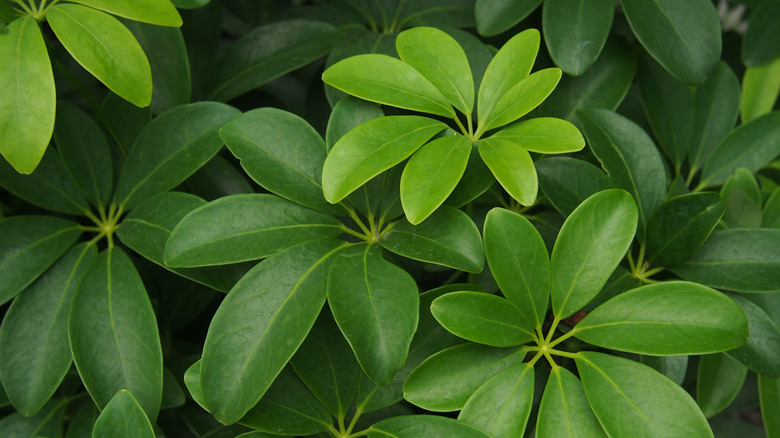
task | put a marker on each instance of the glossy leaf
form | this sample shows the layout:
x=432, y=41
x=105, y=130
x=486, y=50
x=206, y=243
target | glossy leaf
x=123, y=416
x=34, y=348
x=261, y=322
x=521, y=99
x=192, y=382
x=564, y=409
x=448, y=238
x=171, y=148
x=113, y=334
x=266, y=53
x=760, y=90
x=282, y=153
x=413, y=426
x=743, y=260
x=439, y=58
x=575, y=31
x=28, y=100
x=567, y=181
x=375, y=304
x=445, y=380
x=496, y=16
x=589, y=247
x=631, y=399
x=719, y=380
x=28, y=246
x=666, y=319
x=679, y=227
x=545, y=135
x=432, y=174
x=684, y=37
x=758, y=44
x=105, y=48
x=159, y=12
x=372, y=148
x=512, y=166
x=761, y=353
x=769, y=392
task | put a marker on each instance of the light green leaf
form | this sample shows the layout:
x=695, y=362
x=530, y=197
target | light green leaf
x=28, y=100
x=761, y=353
x=564, y=409
x=545, y=135
x=159, y=12
x=105, y=48
x=261, y=323
x=415, y=426
x=568, y=181
x=575, y=31
x=244, y=227
x=431, y=175
x=719, y=380
x=123, y=416
x=512, y=166
x=496, y=16
x=769, y=393
x=591, y=243
x=519, y=100
x=760, y=89
x=113, y=334
x=372, y=148
x=631, y=399
x=666, y=319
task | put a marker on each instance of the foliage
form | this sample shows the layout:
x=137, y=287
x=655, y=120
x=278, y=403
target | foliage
x=389, y=218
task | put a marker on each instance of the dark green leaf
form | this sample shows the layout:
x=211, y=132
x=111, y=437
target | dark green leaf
x=123, y=120
x=123, y=416
x=762, y=352
x=218, y=178
x=564, y=410
x=159, y=12
x=742, y=199
x=545, y=135
x=719, y=380
x=769, y=392
x=759, y=44
x=173, y=395
x=512, y=166
x=567, y=181
x=459, y=13
x=415, y=426
x=575, y=31
x=760, y=89
x=82, y=422
x=496, y=16
x=347, y=114
x=475, y=181
x=47, y=422
x=771, y=214
x=673, y=367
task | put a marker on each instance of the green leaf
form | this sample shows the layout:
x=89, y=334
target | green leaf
x=105, y=48
x=28, y=246
x=414, y=426
x=34, y=348
x=512, y=166
x=564, y=409
x=448, y=238
x=589, y=247
x=761, y=353
x=679, y=227
x=431, y=175
x=444, y=381
x=167, y=54
x=375, y=304
x=244, y=227
x=673, y=367
x=82, y=422
x=629, y=157
x=502, y=405
x=545, y=135
x=372, y=148
x=763, y=136
x=475, y=181
x=123, y=416
x=218, y=178
x=266, y=53
x=399, y=84
x=47, y=422
x=85, y=153
x=123, y=120
x=567, y=181
x=173, y=395
x=522, y=271
x=575, y=31
x=260, y=324
x=439, y=58
x=159, y=12
x=496, y=16
x=113, y=334
x=771, y=214
x=684, y=37
x=625, y=397
x=28, y=100
x=742, y=198
x=769, y=393
x=742, y=260
x=519, y=100
x=760, y=89
x=719, y=380
x=171, y=148
x=759, y=46
x=282, y=153
x=192, y=382
x=666, y=319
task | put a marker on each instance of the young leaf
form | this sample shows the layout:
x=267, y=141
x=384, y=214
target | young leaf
x=519, y=100
x=439, y=58
x=171, y=148
x=769, y=394
x=372, y=148
x=28, y=99
x=244, y=227
x=448, y=238
x=444, y=381
x=567, y=181
x=758, y=44
x=260, y=324
x=415, y=426
x=761, y=353
x=564, y=409
x=512, y=166
x=684, y=37
x=502, y=405
x=123, y=416
x=399, y=84
x=589, y=247
x=431, y=175
x=375, y=304
x=113, y=334
x=545, y=135
x=760, y=89
x=105, y=48
x=28, y=246
x=625, y=397
x=719, y=380
x=496, y=16
x=666, y=319
x=159, y=12
x=575, y=31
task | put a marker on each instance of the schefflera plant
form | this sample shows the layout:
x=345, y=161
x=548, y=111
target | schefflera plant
x=433, y=76
x=491, y=379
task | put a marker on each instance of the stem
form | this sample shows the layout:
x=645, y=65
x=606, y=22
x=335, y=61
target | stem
x=94, y=218
x=25, y=7
x=351, y=232
x=353, y=422
x=691, y=174
x=562, y=338
x=565, y=354
x=353, y=215
x=553, y=326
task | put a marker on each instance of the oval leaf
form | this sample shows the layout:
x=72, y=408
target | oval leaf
x=760, y=89
x=521, y=99
x=512, y=166
x=761, y=353
x=719, y=380
x=769, y=393
x=568, y=181
x=564, y=409
x=123, y=416
x=159, y=12
x=415, y=426
x=496, y=16
x=575, y=31
x=545, y=135
x=759, y=46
